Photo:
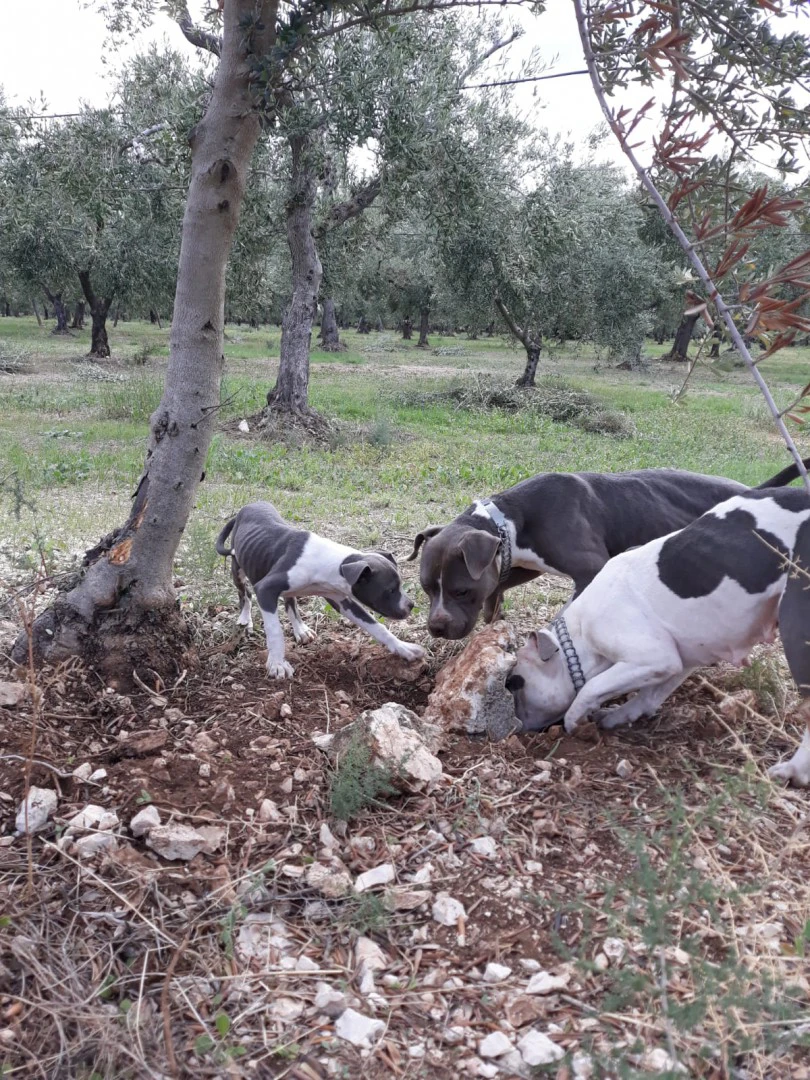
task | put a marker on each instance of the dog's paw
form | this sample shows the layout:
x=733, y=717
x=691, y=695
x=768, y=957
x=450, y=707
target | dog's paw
x=570, y=724
x=244, y=619
x=796, y=773
x=410, y=652
x=304, y=634
x=280, y=669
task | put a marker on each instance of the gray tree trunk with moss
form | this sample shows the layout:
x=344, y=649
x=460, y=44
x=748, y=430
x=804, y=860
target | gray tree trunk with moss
x=124, y=608
x=330, y=335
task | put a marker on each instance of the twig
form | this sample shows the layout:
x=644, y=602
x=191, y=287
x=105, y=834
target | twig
x=46, y=765
x=687, y=245
x=164, y=1005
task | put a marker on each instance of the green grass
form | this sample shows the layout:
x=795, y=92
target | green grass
x=73, y=434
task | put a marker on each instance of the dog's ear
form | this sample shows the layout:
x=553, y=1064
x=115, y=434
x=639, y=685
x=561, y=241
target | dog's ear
x=420, y=538
x=353, y=568
x=479, y=549
x=387, y=555
x=545, y=643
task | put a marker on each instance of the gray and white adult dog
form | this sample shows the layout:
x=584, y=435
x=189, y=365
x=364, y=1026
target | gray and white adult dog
x=566, y=523
x=651, y=616
x=280, y=561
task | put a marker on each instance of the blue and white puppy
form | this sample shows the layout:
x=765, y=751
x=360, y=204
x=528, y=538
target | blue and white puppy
x=651, y=616
x=282, y=562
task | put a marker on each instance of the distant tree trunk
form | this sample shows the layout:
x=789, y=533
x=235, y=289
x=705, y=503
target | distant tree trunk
x=380, y=325
x=124, y=613
x=45, y=312
x=99, y=308
x=117, y=315
x=154, y=318
x=424, y=325
x=683, y=335
x=59, y=311
x=532, y=360
x=78, y=316
x=659, y=334
x=407, y=328
x=364, y=326
x=717, y=341
x=330, y=335
x=291, y=392
x=6, y=308
x=36, y=311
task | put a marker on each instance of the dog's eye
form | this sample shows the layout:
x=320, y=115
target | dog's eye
x=460, y=594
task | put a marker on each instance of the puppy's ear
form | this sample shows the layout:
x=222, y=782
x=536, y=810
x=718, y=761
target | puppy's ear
x=353, y=568
x=545, y=643
x=420, y=538
x=387, y=555
x=479, y=549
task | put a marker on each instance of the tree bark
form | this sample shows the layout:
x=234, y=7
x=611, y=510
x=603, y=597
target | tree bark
x=117, y=315
x=78, y=316
x=330, y=335
x=683, y=335
x=60, y=312
x=407, y=328
x=291, y=392
x=717, y=341
x=424, y=321
x=363, y=326
x=99, y=307
x=154, y=318
x=532, y=360
x=124, y=610
x=36, y=311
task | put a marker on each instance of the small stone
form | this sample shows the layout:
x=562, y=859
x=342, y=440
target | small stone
x=659, y=1061
x=624, y=769
x=213, y=836
x=97, y=776
x=357, y=1029
x=202, y=743
x=403, y=898
x=454, y=1034
x=244, y=427
x=487, y=1069
x=35, y=809
x=176, y=841
x=416, y=1050
x=369, y=955
x=141, y=743
x=495, y=973
x=286, y=785
x=538, y=1049
x=329, y=1001
x=494, y=1045
x=286, y=1009
x=269, y=811
x=326, y=836
x=582, y=1065
x=204, y=770
x=11, y=694
x=614, y=949
x=447, y=911
x=529, y=964
x=144, y=820
x=601, y=962
x=513, y=1065
x=484, y=845
x=523, y=1010
x=380, y=875
x=533, y=867
x=333, y=881
x=544, y=983
x=83, y=772
x=95, y=842
x=285, y=711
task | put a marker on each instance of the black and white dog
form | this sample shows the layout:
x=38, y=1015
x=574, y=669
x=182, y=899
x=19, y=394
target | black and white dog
x=282, y=562
x=568, y=523
x=651, y=616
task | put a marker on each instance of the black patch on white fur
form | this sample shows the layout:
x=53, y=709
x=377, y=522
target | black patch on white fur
x=695, y=561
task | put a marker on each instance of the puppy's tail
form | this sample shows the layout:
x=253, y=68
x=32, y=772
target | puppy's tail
x=223, y=536
x=783, y=477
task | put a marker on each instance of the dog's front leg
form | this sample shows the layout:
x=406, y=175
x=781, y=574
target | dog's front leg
x=645, y=703
x=301, y=632
x=360, y=617
x=267, y=592
x=622, y=678
x=797, y=768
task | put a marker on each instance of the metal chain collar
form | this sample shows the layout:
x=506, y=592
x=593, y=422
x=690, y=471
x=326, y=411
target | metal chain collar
x=499, y=521
x=560, y=627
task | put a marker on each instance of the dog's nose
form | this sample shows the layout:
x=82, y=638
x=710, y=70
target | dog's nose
x=408, y=604
x=437, y=629
x=514, y=682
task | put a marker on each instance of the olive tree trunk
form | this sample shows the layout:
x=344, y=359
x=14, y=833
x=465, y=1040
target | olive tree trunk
x=291, y=392
x=60, y=312
x=530, y=371
x=683, y=335
x=424, y=321
x=330, y=335
x=123, y=611
x=36, y=311
x=99, y=308
x=78, y=316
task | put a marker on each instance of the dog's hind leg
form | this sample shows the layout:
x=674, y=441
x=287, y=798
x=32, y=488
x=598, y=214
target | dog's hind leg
x=241, y=583
x=794, y=629
x=645, y=703
x=301, y=632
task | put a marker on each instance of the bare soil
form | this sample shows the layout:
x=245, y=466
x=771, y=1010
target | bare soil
x=127, y=965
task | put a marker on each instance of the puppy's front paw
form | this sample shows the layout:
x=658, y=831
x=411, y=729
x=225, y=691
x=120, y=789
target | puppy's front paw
x=410, y=652
x=794, y=773
x=570, y=723
x=244, y=619
x=280, y=669
x=304, y=634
